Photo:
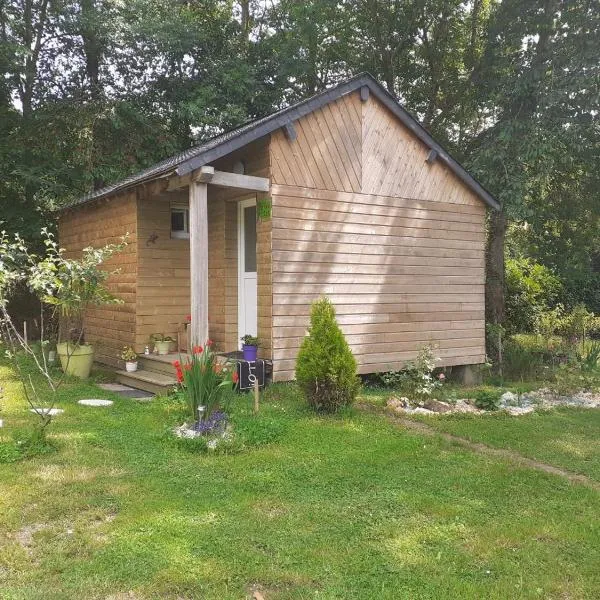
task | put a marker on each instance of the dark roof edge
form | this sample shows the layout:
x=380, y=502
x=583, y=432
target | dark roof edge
x=280, y=119
x=265, y=126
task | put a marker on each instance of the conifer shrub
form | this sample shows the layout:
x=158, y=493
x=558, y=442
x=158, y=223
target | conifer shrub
x=326, y=368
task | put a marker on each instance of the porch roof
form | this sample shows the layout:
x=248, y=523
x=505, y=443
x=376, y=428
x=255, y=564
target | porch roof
x=221, y=145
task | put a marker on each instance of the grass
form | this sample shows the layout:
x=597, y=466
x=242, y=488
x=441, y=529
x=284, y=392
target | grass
x=326, y=507
x=565, y=437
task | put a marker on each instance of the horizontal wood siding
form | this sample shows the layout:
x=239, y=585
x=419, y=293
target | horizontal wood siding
x=402, y=257
x=163, y=299
x=164, y=269
x=108, y=327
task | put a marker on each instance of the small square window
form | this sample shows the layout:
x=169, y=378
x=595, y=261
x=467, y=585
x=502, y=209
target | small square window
x=180, y=223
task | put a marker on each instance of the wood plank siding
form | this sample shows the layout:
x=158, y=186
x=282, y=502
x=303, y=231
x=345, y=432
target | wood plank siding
x=395, y=242
x=110, y=327
x=164, y=263
x=358, y=214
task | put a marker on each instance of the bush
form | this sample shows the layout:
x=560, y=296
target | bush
x=531, y=288
x=488, y=399
x=325, y=368
x=416, y=379
x=521, y=361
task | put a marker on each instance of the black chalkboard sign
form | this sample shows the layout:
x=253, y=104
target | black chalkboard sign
x=249, y=372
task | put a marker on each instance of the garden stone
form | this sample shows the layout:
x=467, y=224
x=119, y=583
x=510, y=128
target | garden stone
x=464, y=406
x=509, y=399
x=398, y=404
x=421, y=411
x=437, y=406
x=114, y=387
x=95, y=402
x=47, y=411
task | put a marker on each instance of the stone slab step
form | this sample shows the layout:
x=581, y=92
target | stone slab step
x=149, y=381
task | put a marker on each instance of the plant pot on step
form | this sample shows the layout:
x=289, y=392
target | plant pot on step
x=163, y=347
x=131, y=366
x=76, y=359
x=249, y=352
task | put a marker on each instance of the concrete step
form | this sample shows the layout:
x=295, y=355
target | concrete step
x=159, y=364
x=149, y=381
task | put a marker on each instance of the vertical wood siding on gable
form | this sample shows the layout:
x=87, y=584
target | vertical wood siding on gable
x=108, y=327
x=401, y=254
x=326, y=154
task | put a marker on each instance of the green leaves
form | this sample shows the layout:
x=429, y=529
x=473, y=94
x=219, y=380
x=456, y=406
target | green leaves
x=325, y=367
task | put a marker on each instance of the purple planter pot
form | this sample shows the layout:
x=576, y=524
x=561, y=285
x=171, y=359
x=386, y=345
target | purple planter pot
x=249, y=352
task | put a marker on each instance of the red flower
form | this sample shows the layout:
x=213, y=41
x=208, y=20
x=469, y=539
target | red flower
x=209, y=343
x=189, y=318
x=198, y=350
x=179, y=376
x=176, y=364
x=235, y=377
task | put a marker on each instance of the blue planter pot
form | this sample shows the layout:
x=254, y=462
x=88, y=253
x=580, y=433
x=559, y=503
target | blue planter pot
x=249, y=352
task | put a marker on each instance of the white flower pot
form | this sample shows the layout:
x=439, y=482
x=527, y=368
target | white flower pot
x=130, y=367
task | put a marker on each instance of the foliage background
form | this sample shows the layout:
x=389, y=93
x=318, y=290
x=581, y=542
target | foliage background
x=93, y=90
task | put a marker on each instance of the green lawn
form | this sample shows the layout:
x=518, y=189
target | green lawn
x=333, y=507
x=566, y=437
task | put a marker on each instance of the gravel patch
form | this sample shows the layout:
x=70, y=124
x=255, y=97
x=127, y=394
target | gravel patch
x=513, y=404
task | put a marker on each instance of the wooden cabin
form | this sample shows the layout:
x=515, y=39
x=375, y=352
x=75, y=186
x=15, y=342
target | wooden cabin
x=343, y=195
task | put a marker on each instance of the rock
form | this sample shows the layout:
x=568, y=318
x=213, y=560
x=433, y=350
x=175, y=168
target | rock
x=398, y=404
x=420, y=411
x=95, y=402
x=509, y=399
x=464, y=406
x=437, y=406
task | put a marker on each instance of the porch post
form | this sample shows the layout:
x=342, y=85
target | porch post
x=199, y=263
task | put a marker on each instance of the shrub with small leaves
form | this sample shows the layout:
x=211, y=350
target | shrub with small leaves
x=326, y=368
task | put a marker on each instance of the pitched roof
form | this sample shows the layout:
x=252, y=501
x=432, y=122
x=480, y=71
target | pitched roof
x=223, y=144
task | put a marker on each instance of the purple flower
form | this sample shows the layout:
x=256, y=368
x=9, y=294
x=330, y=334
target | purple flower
x=213, y=423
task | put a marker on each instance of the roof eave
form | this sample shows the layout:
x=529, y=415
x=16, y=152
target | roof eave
x=294, y=113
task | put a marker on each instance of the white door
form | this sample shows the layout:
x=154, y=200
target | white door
x=247, y=302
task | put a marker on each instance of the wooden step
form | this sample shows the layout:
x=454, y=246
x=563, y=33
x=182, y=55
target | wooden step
x=149, y=381
x=159, y=364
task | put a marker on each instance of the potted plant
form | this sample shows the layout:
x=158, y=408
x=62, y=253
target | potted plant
x=249, y=347
x=162, y=343
x=72, y=286
x=129, y=355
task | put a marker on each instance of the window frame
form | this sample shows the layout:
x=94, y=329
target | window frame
x=185, y=209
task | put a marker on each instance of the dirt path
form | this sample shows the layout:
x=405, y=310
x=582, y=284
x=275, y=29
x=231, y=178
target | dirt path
x=502, y=453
